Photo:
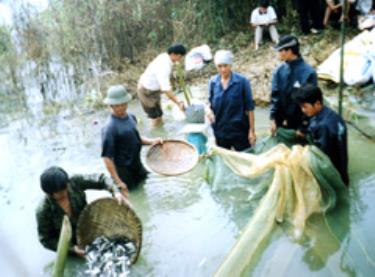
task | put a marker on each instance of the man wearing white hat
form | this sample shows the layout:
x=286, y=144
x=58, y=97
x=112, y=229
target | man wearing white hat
x=121, y=141
x=231, y=110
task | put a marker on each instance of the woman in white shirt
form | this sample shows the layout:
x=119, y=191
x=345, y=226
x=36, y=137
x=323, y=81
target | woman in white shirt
x=264, y=17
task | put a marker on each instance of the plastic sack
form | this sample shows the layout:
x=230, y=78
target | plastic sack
x=195, y=113
x=199, y=141
x=355, y=62
x=197, y=57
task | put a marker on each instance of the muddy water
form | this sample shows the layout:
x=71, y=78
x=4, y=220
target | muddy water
x=188, y=229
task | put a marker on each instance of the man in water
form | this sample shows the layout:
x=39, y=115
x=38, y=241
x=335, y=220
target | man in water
x=326, y=127
x=121, y=141
x=66, y=196
x=156, y=80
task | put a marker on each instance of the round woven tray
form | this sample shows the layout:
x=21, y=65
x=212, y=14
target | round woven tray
x=173, y=157
x=105, y=217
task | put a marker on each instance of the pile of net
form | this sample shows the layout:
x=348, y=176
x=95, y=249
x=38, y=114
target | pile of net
x=292, y=181
x=109, y=258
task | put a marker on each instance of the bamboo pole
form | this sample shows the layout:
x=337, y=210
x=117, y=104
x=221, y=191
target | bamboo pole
x=342, y=44
x=62, y=248
x=182, y=84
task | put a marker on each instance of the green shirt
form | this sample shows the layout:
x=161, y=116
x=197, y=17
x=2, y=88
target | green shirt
x=49, y=214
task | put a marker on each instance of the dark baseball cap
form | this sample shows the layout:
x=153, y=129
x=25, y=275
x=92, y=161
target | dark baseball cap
x=286, y=42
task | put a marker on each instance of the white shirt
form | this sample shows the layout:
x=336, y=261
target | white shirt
x=266, y=18
x=157, y=74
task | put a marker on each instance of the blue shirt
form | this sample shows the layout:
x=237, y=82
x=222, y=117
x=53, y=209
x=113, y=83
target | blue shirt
x=122, y=142
x=288, y=77
x=329, y=134
x=231, y=106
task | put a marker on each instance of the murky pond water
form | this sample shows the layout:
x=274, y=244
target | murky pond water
x=188, y=228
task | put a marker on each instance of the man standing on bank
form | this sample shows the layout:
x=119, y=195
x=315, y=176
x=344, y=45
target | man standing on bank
x=122, y=143
x=231, y=110
x=292, y=74
x=156, y=80
x=326, y=127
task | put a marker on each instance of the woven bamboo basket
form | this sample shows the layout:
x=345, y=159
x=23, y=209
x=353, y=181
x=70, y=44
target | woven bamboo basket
x=173, y=157
x=105, y=217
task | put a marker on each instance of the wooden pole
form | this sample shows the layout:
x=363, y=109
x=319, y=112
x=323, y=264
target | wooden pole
x=342, y=44
x=62, y=248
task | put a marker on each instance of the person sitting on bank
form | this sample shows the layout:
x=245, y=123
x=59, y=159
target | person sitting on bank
x=121, y=141
x=231, y=110
x=327, y=128
x=264, y=18
x=293, y=73
x=334, y=10
x=66, y=196
x=156, y=80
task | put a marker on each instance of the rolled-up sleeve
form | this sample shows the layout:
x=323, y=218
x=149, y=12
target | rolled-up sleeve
x=249, y=103
x=275, y=96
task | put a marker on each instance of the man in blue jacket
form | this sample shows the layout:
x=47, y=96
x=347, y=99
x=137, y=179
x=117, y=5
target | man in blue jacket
x=292, y=74
x=327, y=128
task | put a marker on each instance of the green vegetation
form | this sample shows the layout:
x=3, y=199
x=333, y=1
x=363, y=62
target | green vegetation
x=101, y=41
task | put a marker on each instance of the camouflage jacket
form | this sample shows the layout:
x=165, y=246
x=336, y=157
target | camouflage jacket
x=49, y=214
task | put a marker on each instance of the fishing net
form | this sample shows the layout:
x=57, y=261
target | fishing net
x=292, y=183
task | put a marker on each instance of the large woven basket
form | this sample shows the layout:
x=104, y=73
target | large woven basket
x=105, y=217
x=173, y=157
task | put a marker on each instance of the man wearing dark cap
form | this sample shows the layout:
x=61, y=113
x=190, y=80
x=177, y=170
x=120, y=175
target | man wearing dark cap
x=156, y=80
x=292, y=74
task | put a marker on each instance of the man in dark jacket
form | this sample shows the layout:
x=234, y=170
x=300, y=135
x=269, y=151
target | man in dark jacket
x=66, y=196
x=288, y=77
x=327, y=128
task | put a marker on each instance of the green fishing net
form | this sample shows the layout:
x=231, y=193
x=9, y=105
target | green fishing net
x=292, y=179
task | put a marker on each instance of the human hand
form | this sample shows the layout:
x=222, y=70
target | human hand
x=79, y=251
x=252, y=137
x=122, y=200
x=157, y=141
x=123, y=189
x=211, y=117
x=300, y=134
x=273, y=127
x=181, y=106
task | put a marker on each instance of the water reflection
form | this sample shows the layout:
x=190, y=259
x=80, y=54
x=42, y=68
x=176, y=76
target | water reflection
x=325, y=234
x=189, y=226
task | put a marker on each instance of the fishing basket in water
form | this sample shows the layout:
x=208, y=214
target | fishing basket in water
x=173, y=157
x=105, y=217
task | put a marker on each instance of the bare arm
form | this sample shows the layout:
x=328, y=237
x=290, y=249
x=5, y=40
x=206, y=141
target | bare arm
x=109, y=164
x=150, y=141
x=174, y=99
x=252, y=136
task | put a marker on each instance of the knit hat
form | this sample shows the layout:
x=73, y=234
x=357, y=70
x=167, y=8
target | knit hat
x=223, y=57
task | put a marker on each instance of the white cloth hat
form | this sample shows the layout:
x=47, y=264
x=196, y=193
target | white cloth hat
x=223, y=57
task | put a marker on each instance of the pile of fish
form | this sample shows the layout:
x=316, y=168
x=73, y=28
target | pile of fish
x=109, y=257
